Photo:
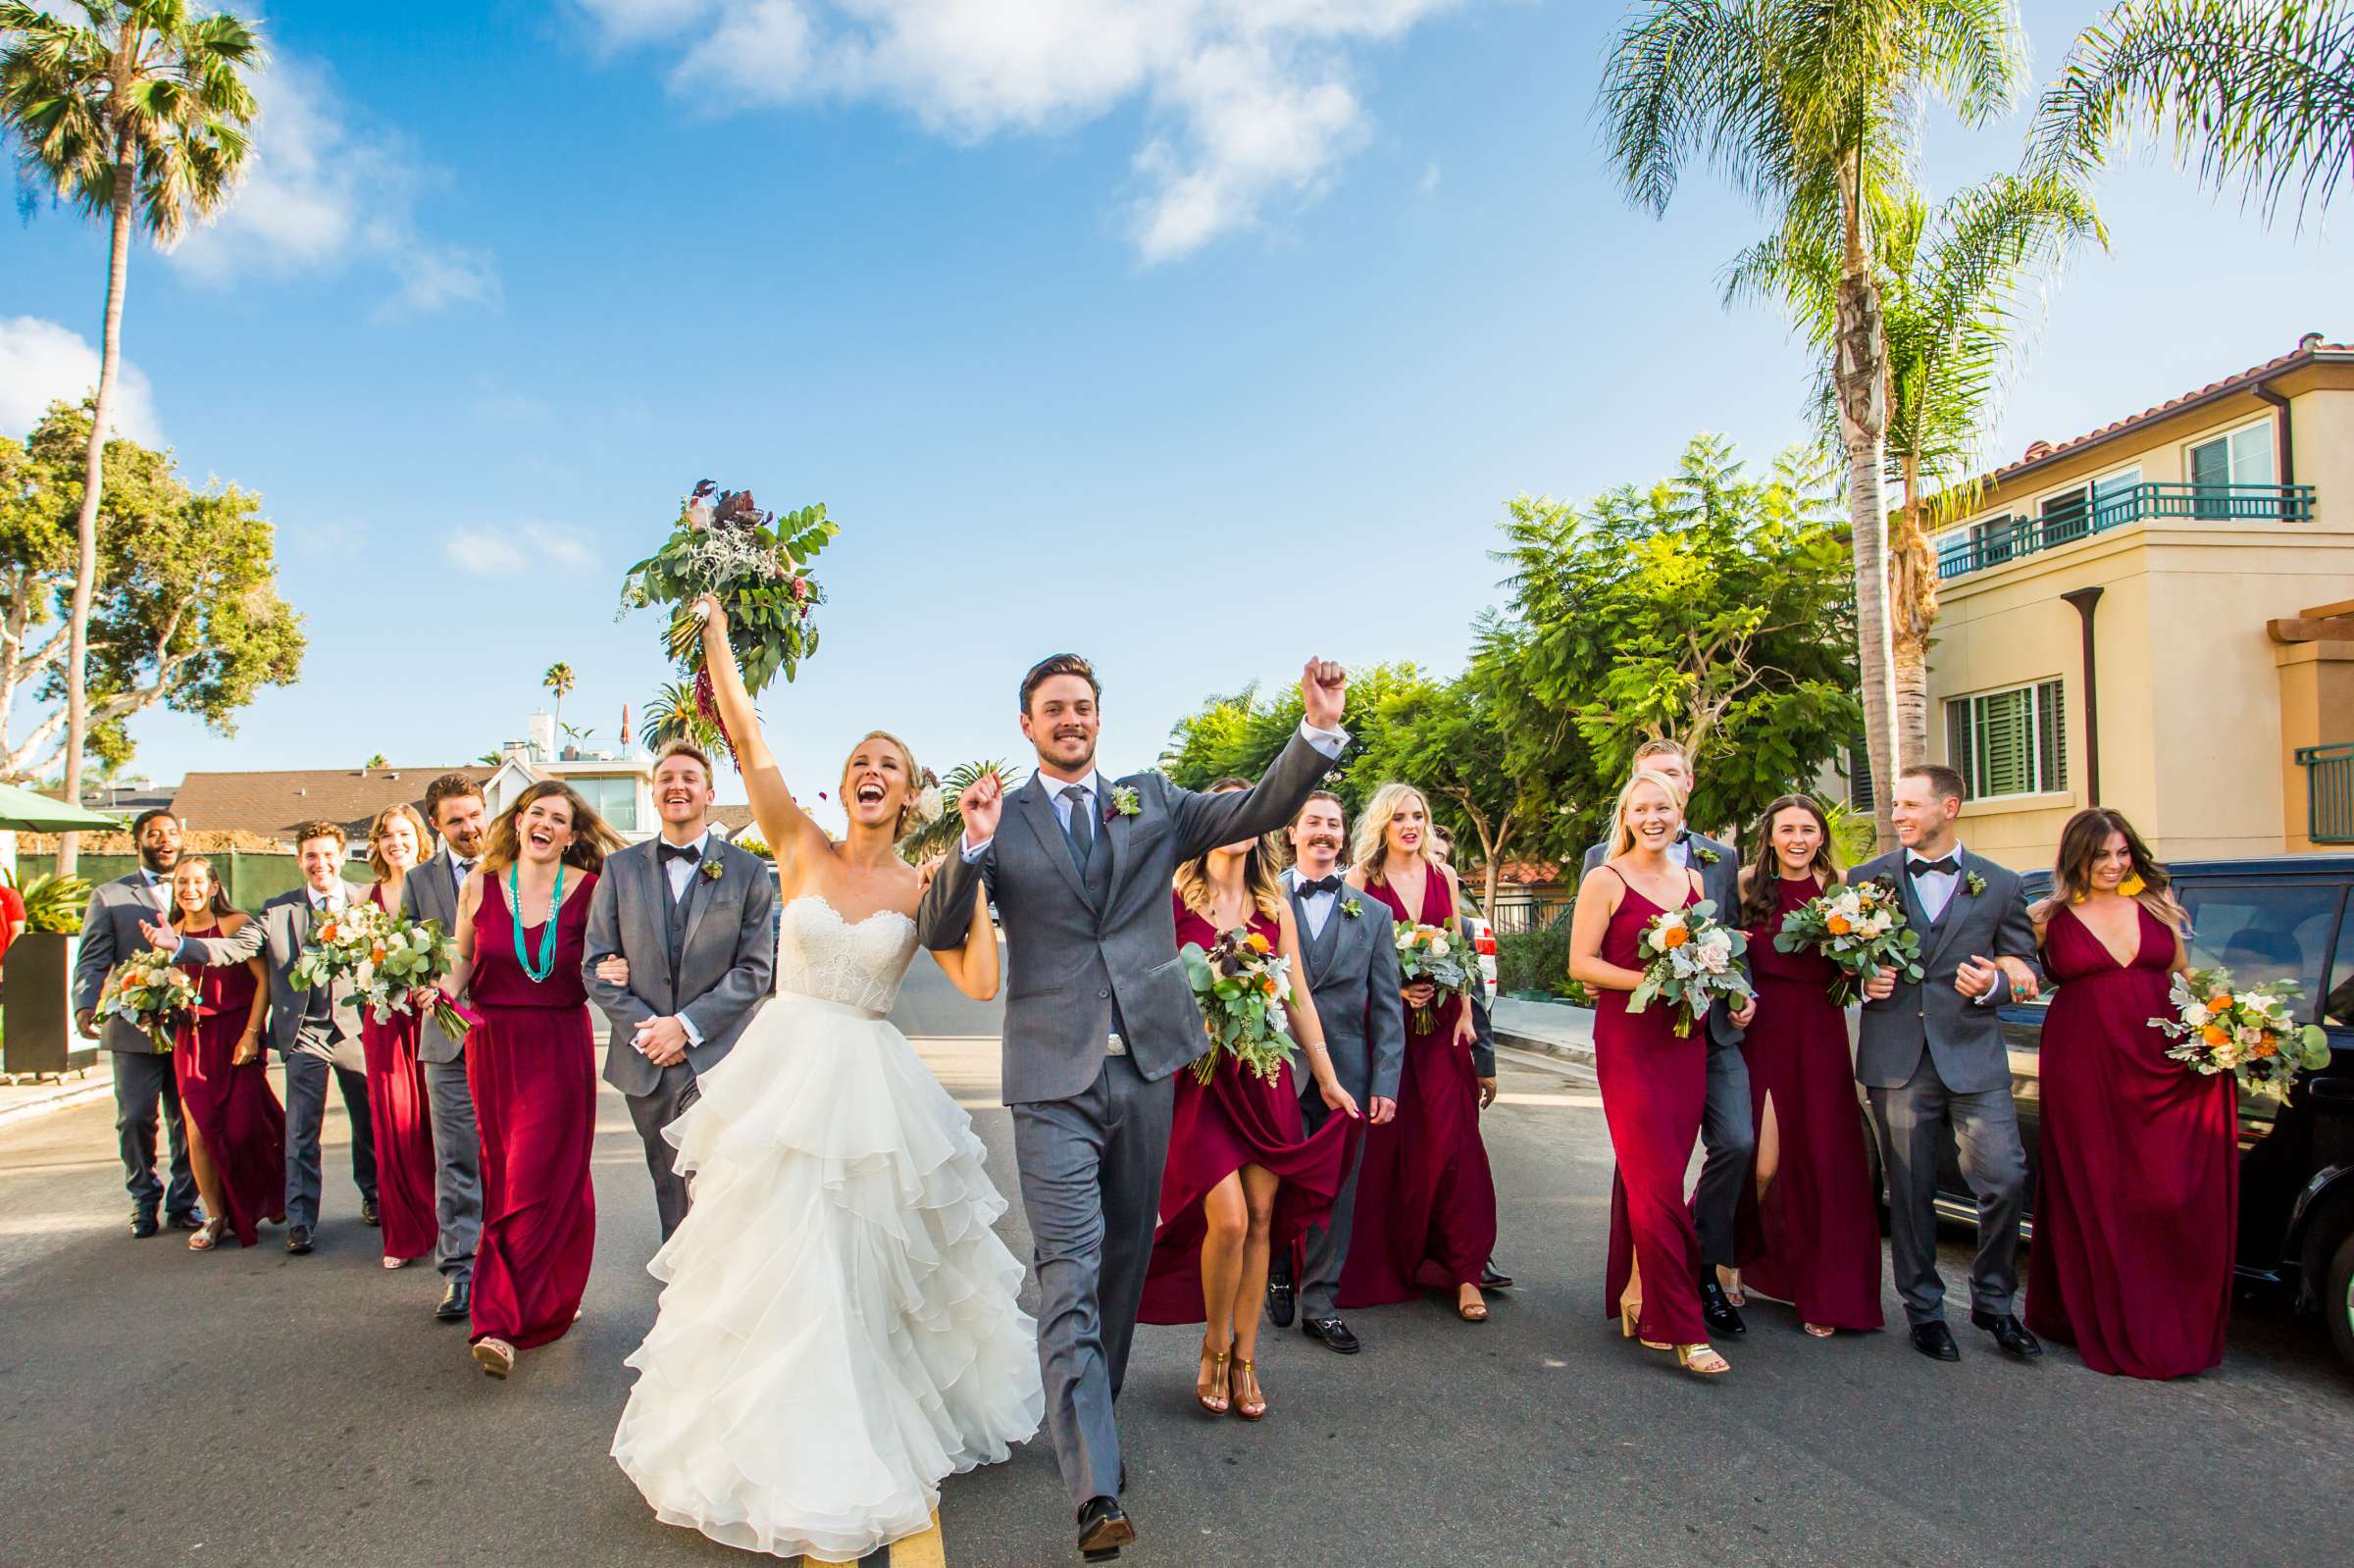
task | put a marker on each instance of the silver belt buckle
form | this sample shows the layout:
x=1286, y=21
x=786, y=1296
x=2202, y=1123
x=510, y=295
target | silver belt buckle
x=1116, y=1046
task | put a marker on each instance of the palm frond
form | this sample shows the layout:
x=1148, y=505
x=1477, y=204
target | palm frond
x=934, y=838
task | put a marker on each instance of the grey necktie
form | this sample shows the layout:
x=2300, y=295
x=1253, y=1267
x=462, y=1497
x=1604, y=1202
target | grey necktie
x=1081, y=826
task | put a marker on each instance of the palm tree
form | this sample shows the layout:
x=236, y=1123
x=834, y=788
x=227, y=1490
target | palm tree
x=674, y=714
x=2262, y=89
x=1812, y=108
x=559, y=680
x=376, y=761
x=928, y=838
x=139, y=111
x=1960, y=287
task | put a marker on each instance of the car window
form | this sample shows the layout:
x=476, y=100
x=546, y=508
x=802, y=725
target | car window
x=2338, y=1007
x=2264, y=931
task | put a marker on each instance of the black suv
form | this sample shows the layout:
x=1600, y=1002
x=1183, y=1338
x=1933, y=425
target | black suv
x=2283, y=918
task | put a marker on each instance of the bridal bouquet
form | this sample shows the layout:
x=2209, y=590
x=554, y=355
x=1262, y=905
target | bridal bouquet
x=1240, y=986
x=1431, y=953
x=2251, y=1034
x=756, y=563
x=149, y=992
x=1690, y=960
x=1860, y=929
x=387, y=957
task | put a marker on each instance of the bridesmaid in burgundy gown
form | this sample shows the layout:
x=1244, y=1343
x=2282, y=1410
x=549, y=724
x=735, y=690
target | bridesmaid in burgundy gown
x=1244, y=1176
x=2137, y=1193
x=531, y=1063
x=1808, y=1231
x=399, y=1108
x=236, y=1127
x=1425, y=1199
x=1655, y=1083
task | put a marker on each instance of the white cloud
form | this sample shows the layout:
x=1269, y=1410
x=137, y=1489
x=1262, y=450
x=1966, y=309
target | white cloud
x=320, y=193
x=1251, y=101
x=42, y=362
x=534, y=547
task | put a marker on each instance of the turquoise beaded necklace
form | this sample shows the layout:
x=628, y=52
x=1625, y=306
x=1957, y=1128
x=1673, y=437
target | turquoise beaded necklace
x=539, y=972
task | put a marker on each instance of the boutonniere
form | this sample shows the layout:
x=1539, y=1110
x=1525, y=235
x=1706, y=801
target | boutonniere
x=1124, y=802
x=1973, y=884
x=1705, y=855
x=1352, y=908
x=710, y=870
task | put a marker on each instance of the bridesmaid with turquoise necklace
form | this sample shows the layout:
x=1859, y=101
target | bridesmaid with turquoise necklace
x=530, y=1061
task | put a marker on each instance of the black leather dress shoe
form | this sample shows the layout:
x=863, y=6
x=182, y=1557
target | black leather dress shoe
x=1103, y=1530
x=368, y=1214
x=1936, y=1342
x=1491, y=1278
x=457, y=1302
x=1279, y=1292
x=1332, y=1334
x=186, y=1219
x=2009, y=1333
x=1718, y=1311
x=298, y=1240
x=143, y=1226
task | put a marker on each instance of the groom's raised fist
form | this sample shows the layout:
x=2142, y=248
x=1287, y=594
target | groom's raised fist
x=981, y=804
x=1323, y=691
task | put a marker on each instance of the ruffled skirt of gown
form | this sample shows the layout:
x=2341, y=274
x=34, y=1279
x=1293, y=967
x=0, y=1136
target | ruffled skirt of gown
x=837, y=1329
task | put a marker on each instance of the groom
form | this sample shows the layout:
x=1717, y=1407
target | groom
x=1098, y=1017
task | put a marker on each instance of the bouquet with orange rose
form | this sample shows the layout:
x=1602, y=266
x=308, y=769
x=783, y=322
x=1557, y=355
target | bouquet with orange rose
x=148, y=992
x=1241, y=985
x=387, y=958
x=1435, y=954
x=1860, y=929
x=1690, y=960
x=2249, y=1032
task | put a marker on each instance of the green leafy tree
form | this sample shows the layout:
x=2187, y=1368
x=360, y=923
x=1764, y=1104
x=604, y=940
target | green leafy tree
x=2261, y=92
x=1711, y=609
x=1241, y=735
x=1447, y=738
x=137, y=113
x=185, y=611
x=560, y=681
x=1813, y=108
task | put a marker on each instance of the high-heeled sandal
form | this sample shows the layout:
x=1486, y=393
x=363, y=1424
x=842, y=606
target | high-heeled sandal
x=391, y=1262
x=1701, y=1361
x=1820, y=1331
x=1471, y=1312
x=1630, y=1319
x=1217, y=1365
x=494, y=1355
x=1242, y=1406
x=207, y=1236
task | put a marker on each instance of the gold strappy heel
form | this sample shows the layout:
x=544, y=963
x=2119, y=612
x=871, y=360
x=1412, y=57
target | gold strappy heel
x=1215, y=1403
x=1242, y=1406
x=1701, y=1361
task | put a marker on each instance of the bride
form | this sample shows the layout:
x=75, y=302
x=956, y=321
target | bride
x=837, y=1329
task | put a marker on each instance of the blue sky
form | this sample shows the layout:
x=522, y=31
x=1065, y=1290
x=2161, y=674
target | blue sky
x=1197, y=337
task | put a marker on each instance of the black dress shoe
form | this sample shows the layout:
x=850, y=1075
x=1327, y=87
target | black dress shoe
x=298, y=1240
x=1491, y=1278
x=2009, y=1333
x=1332, y=1334
x=186, y=1219
x=457, y=1302
x=368, y=1214
x=1279, y=1292
x=1103, y=1530
x=1717, y=1309
x=1936, y=1342
x=143, y=1226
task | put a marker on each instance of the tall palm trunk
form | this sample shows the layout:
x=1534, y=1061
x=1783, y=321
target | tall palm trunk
x=1912, y=608
x=93, y=472
x=1859, y=378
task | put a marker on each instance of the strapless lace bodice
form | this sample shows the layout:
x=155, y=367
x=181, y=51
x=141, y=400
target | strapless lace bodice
x=820, y=954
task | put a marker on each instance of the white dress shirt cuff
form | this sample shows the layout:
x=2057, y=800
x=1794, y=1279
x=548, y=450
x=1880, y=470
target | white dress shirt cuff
x=976, y=851
x=695, y=1036
x=1329, y=741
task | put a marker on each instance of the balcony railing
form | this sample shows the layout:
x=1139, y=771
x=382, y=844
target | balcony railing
x=2328, y=792
x=1995, y=543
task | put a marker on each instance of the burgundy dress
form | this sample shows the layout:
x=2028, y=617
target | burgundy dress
x=1814, y=1239
x=401, y=1115
x=232, y=1109
x=1425, y=1201
x=530, y=1064
x=1236, y=1119
x=1654, y=1088
x=2138, y=1190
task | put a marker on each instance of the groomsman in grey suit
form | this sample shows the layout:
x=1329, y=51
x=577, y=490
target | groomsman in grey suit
x=679, y=956
x=143, y=1080
x=1726, y=1132
x=454, y=805
x=1351, y=963
x=1098, y=1017
x=1930, y=1057
x=315, y=1033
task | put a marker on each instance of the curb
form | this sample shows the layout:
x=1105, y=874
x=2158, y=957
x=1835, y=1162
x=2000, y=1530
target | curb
x=1579, y=1054
x=65, y=1099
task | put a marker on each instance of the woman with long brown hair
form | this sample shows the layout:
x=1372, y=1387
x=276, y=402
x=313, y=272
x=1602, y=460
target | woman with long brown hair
x=2137, y=1189
x=1808, y=1231
x=399, y=1109
x=236, y=1127
x=530, y=1062
x=1243, y=1175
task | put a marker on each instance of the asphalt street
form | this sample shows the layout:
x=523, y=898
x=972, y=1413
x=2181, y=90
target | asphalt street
x=158, y=1408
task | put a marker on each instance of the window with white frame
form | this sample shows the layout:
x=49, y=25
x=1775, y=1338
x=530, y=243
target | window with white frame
x=614, y=799
x=2240, y=459
x=2011, y=742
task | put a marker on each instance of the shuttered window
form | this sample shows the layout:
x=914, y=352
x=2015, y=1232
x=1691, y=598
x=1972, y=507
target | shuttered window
x=2012, y=743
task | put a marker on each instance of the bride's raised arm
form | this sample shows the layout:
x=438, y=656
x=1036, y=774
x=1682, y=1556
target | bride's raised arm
x=788, y=829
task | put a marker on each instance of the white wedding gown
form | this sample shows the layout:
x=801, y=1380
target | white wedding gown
x=838, y=1327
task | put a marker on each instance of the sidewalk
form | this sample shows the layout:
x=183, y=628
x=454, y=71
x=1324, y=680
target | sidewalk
x=1554, y=1028
x=19, y=1101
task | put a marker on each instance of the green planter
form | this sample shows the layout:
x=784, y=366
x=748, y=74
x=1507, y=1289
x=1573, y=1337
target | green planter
x=37, y=975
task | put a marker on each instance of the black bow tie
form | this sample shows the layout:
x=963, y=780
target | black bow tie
x=1309, y=886
x=1946, y=867
x=464, y=868
x=690, y=854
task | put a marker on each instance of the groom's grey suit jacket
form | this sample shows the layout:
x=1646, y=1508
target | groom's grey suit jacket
x=1964, y=1039
x=1077, y=963
x=725, y=959
x=1353, y=975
